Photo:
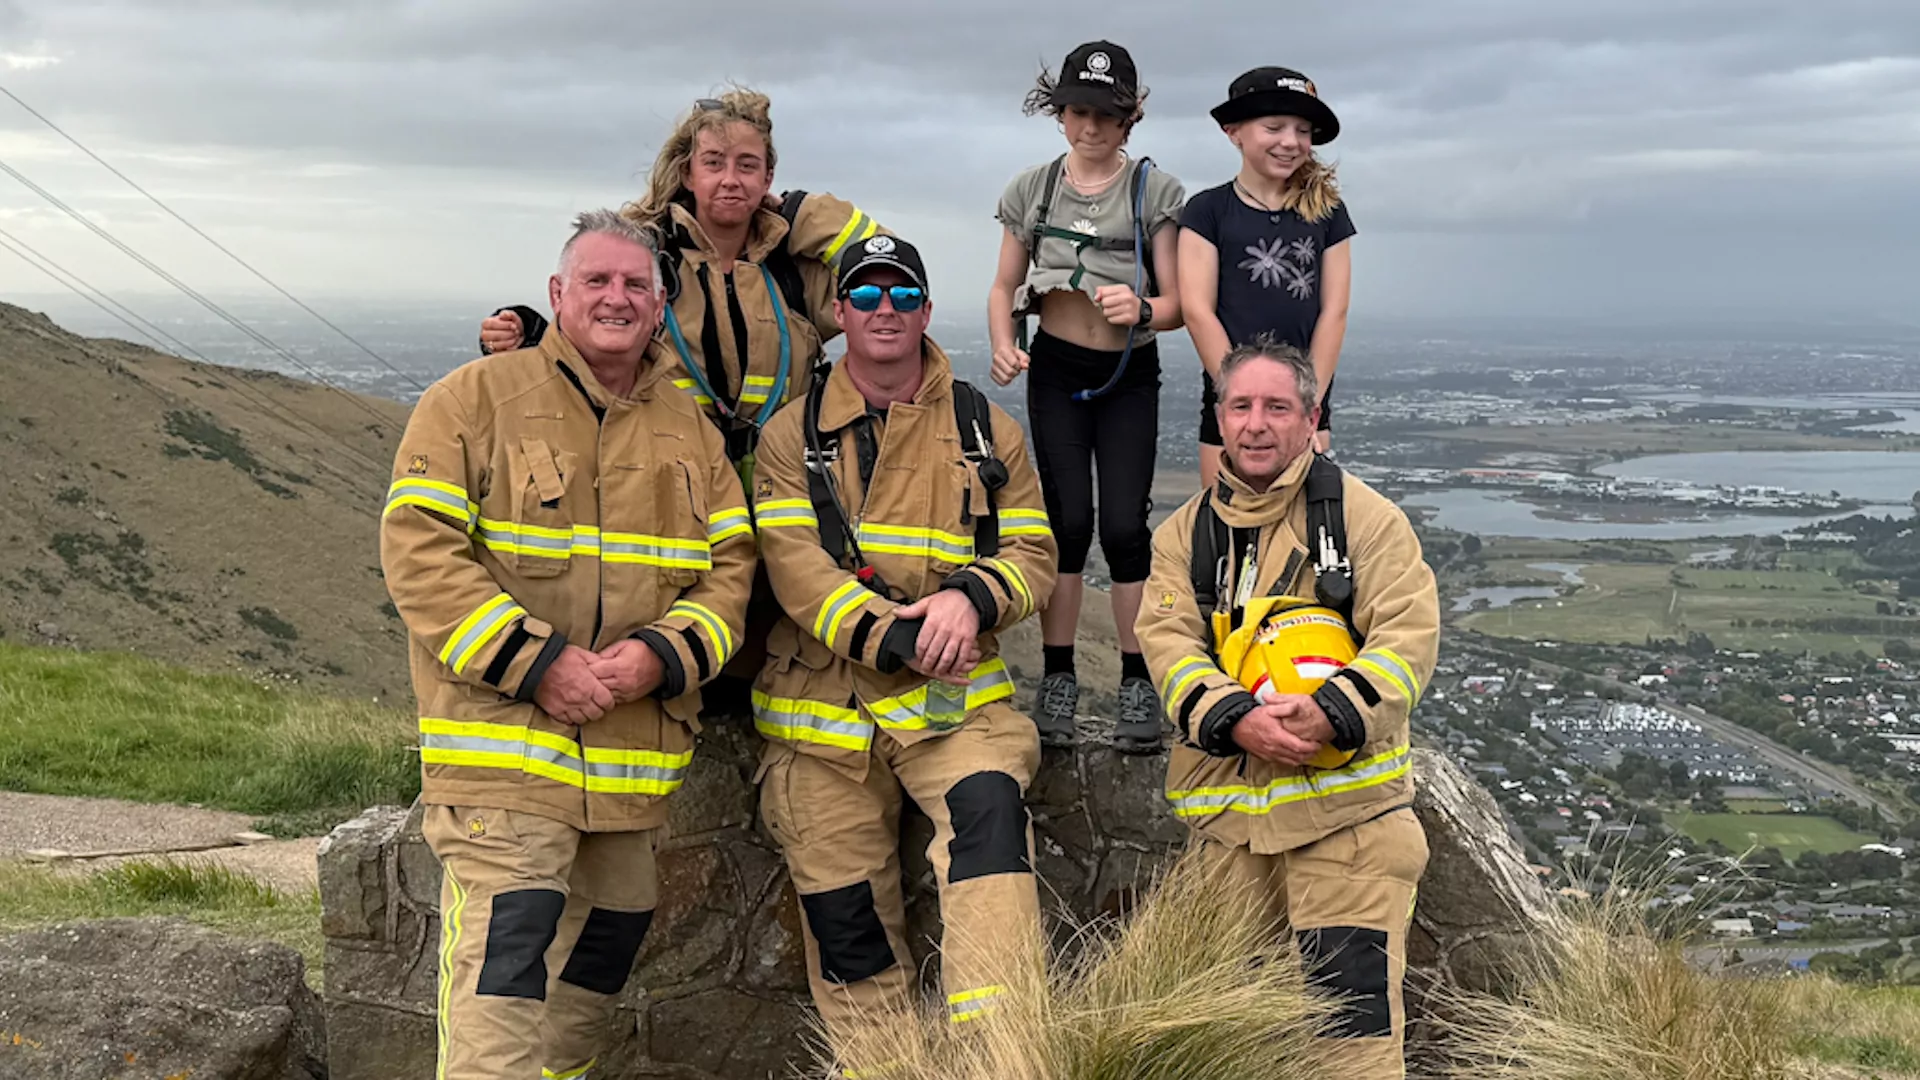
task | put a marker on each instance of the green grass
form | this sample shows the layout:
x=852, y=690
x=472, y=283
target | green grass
x=109, y=725
x=1756, y=806
x=1628, y=603
x=1791, y=833
x=211, y=896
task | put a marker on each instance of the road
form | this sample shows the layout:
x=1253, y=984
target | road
x=1817, y=772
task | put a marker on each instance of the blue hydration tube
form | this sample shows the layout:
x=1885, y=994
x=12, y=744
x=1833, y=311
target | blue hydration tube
x=778, y=393
x=1139, y=282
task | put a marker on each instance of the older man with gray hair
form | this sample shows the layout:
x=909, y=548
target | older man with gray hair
x=571, y=552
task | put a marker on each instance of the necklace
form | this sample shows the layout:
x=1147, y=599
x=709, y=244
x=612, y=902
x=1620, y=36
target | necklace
x=1273, y=213
x=1093, y=207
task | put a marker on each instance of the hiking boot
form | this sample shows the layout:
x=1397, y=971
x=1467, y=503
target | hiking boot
x=1138, y=731
x=1055, y=707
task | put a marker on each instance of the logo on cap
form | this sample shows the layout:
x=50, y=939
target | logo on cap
x=1305, y=86
x=1099, y=62
x=880, y=245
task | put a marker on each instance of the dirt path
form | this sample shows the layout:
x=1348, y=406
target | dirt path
x=81, y=827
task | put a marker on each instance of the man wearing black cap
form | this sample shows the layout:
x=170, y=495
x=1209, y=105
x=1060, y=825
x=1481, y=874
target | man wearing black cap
x=902, y=529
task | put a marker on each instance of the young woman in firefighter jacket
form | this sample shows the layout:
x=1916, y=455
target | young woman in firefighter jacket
x=849, y=728
x=530, y=509
x=751, y=285
x=1336, y=852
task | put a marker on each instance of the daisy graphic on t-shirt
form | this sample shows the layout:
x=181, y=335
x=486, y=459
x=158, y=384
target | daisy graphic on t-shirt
x=1270, y=264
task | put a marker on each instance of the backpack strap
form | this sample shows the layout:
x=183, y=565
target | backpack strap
x=834, y=532
x=1209, y=565
x=780, y=260
x=1045, y=208
x=1327, y=539
x=973, y=418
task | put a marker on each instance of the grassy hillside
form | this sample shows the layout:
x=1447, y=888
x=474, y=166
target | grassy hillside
x=205, y=515
x=104, y=724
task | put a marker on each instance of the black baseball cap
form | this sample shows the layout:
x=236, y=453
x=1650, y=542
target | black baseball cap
x=1099, y=75
x=1278, y=91
x=882, y=251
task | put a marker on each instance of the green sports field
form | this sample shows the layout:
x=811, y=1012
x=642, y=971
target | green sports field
x=1791, y=833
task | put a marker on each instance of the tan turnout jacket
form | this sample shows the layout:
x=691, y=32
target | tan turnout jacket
x=721, y=321
x=519, y=521
x=821, y=689
x=1243, y=800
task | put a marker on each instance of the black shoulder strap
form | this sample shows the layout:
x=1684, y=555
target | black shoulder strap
x=974, y=419
x=1327, y=538
x=1044, y=208
x=1212, y=547
x=780, y=261
x=833, y=520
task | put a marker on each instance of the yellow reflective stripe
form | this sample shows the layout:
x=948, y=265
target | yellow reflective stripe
x=801, y=720
x=1020, y=521
x=757, y=389
x=834, y=610
x=716, y=627
x=846, y=233
x=693, y=388
x=723, y=525
x=477, y=629
x=972, y=1004
x=1017, y=579
x=436, y=495
x=785, y=513
x=1181, y=675
x=671, y=551
x=1392, y=668
x=570, y=1074
x=479, y=745
x=910, y=540
x=1245, y=799
x=867, y=233
x=538, y=540
x=916, y=710
x=450, y=933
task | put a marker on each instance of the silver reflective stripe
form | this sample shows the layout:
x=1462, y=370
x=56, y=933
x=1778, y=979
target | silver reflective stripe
x=623, y=771
x=784, y=515
x=1392, y=663
x=555, y=546
x=882, y=538
x=857, y=729
x=553, y=755
x=453, y=504
x=655, y=550
x=1291, y=789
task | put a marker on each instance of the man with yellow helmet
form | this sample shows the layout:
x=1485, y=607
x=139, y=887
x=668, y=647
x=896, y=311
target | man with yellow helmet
x=1291, y=625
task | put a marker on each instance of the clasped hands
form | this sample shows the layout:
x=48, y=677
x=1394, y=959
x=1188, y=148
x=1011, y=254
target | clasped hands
x=1289, y=730
x=582, y=686
x=949, y=643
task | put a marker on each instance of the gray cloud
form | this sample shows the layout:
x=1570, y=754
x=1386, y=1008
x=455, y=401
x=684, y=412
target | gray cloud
x=1498, y=155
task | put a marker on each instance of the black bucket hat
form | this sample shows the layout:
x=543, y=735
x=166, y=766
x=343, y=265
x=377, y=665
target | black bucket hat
x=1099, y=75
x=1277, y=91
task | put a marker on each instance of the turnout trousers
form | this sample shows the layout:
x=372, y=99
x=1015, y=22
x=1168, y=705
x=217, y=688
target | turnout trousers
x=1347, y=899
x=539, y=927
x=841, y=836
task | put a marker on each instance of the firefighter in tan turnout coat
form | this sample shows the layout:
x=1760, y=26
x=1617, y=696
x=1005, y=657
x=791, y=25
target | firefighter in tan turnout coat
x=1335, y=852
x=918, y=535
x=571, y=551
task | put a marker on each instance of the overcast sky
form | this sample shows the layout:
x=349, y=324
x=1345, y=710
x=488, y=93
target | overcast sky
x=1639, y=160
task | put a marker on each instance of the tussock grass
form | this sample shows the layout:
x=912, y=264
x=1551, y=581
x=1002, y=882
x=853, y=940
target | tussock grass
x=111, y=725
x=212, y=896
x=1610, y=995
x=1194, y=986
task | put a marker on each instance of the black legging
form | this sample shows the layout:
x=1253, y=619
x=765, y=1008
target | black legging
x=1121, y=429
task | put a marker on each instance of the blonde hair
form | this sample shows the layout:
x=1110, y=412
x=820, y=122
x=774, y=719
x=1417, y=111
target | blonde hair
x=1311, y=191
x=667, y=180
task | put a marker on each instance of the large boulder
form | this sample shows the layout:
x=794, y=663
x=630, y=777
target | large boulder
x=719, y=991
x=138, y=999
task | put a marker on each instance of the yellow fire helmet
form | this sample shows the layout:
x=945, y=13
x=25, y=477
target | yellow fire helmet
x=1286, y=645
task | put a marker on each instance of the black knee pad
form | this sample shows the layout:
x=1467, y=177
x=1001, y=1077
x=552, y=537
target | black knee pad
x=1350, y=963
x=603, y=957
x=519, y=930
x=853, y=940
x=989, y=828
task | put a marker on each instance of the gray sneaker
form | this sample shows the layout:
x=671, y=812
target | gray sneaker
x=1055, y=707
x=1138, y=731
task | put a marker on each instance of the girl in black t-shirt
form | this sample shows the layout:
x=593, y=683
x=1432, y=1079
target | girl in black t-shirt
x=1266, y=253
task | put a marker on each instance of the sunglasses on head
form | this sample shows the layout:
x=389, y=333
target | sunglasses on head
x=707, y=104
x=905, y=297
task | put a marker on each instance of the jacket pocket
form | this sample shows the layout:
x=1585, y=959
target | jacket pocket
x=538, y=543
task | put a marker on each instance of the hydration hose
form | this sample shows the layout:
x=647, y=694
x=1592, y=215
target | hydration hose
x=1139, y=282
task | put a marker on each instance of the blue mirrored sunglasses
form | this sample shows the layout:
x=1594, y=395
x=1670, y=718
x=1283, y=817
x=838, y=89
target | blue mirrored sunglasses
x=905, y=297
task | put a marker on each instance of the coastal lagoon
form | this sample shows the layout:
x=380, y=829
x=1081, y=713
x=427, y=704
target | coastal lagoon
x=1871, y=476
x=1490, y=512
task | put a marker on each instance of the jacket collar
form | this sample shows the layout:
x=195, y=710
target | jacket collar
x=763, y=235
x=841, y=403
x=1241, y=507
x=559, y=352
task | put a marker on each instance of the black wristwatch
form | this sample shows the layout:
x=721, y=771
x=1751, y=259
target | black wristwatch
x=1146, y=314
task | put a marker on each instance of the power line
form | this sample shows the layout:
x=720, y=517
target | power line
x=222, y=248
x=134, y=321
x=158, y=271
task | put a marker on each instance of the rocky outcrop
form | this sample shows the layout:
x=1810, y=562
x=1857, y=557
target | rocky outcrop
x=719, y=990
x=134, y=999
